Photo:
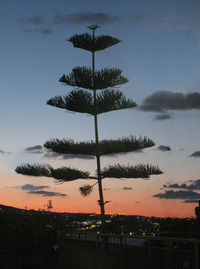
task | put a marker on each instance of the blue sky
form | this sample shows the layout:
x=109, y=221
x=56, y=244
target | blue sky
x=160, y=52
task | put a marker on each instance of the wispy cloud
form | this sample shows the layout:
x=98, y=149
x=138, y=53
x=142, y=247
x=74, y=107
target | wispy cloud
x=48, y=153
x=162, y=117
x=46, y=30
x=191, y=201
x=127, y=188
x=86, y=17
x=181, y=194
x=48, y=193
x=35, y=24
x=4, y=152
x=107, y=189
x=164, y=148
x=39, y=190
x=38, y=23
x=195, y=154
x=30, y=187
x=195, y=185
x=35, y=20
x=150, y=20
x=189, y=22
x=42, y=30
x=34, y=149
x=51, y=154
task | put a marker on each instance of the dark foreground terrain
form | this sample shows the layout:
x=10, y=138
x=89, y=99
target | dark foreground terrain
x=42, y=239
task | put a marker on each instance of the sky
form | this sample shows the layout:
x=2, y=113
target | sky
x=160, y=56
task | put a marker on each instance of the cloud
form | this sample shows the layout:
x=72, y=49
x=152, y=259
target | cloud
x=42, y=30
x=188, y=22
x=35, y=149
x=37, y=25
x=166, y=100
x=127, y=188
x=164, y=148
x=89, y=18
x=139, y=151
x=150, y=20
x=195, y=154
x=48, y=153
x=107, y=189
x=39, y=190
x=178, y=195
x=48, y=193
x=35, y=20
x=162, y=117
x=46, y=31
x=3, y=152
x=29, y=187
x=51, y=154
x=191, y=201
x=195, y=185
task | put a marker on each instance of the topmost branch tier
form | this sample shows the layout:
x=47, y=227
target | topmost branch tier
x=88, y=42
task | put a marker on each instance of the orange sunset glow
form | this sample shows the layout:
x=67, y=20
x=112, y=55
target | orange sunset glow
x=138, y=201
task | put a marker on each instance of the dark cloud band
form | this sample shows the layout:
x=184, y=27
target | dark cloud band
x=89, y=17
x=39, y=190
x=29, y=187
x=195, y=185
x=34, y=149
x=48, y=193
x=182, y=195
x=36, y=20
x=166, y=100
x=162, y=117
x=195, y=154
x=164, y=148
x=127, y=188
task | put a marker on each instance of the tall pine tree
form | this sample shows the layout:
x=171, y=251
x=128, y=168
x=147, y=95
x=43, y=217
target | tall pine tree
x=96, y=94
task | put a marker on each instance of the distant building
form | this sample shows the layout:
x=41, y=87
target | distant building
x=197, y=212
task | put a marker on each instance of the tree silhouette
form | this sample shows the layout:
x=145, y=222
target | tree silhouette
x=94, y=94
x=49, y=205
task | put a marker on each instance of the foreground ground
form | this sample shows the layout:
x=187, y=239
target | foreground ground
x=37, y=239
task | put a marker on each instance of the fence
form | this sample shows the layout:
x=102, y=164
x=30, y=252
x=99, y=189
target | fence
x=139, y=251
x=95, y=251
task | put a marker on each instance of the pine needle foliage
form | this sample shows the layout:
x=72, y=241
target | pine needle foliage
x=82, y=101
x=83, y=77
x=138, y=171
x=121, y=145
x=64, y=174
x=95, y=93
x=61, y=174
x=110, y=100
x=86, y=190
x=87, y=42
x=69, y=146
x=34, y=170
x=76, y=101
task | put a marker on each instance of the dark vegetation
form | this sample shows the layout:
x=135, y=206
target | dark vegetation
x=36, y=239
